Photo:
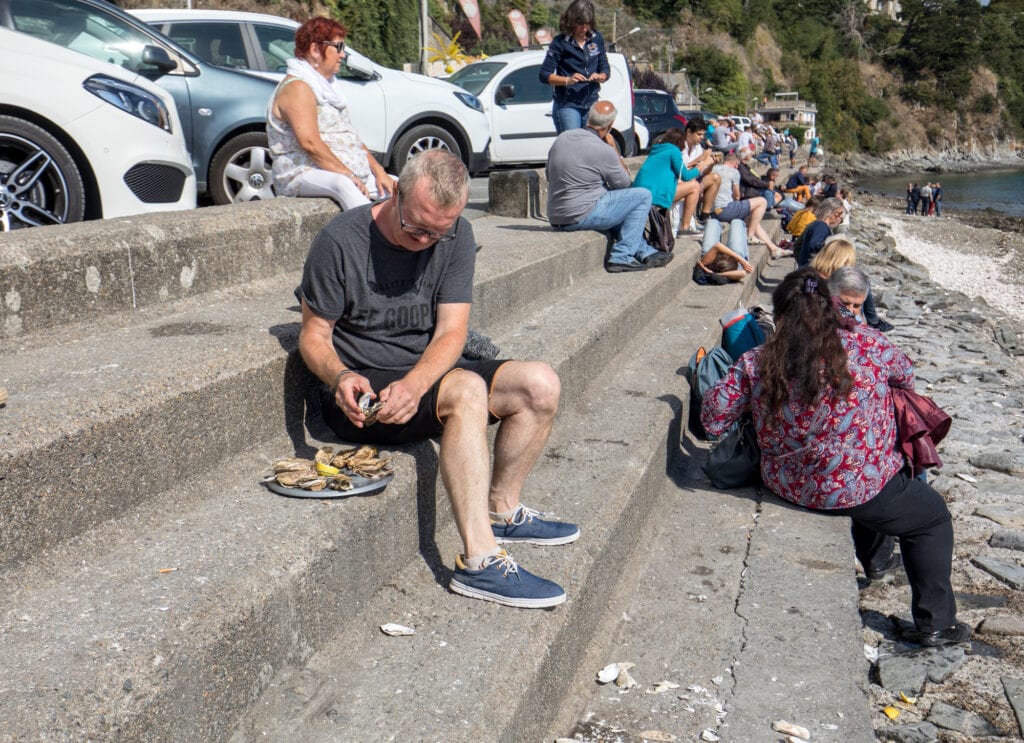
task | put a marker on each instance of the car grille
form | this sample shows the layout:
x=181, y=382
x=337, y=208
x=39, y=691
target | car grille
x=154, y=183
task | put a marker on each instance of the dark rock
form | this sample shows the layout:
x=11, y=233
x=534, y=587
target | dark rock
x=908, y=672
x=1011, y=575
x=917, y=732
x=127, y=685
x=1000, y=461
x=1014, y=689
x=1007, y=539
x=1002, y=624
x=953, y=718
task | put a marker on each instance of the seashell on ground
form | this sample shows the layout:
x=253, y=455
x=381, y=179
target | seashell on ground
x=709, y=735
x=608, y=674
x=397, y=630
x=788, y=728
x=657, y=735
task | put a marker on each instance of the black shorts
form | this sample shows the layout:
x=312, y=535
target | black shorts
x=424, y=423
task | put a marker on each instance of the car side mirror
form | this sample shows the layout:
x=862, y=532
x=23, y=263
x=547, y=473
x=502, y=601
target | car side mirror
x=358, y=67
x=157, y=56
x=505, y=93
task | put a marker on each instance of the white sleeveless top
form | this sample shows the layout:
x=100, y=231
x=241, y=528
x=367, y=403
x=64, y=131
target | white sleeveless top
x=337, y=132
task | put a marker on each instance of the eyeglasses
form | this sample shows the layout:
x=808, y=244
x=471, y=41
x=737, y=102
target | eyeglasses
x=420, y=232
x=339, y=46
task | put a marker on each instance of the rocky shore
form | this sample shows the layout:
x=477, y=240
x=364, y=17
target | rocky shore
x=952, y=286
x=951, y=160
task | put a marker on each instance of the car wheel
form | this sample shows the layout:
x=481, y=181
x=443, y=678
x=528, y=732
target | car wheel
x=241, y=170
x=420, y=139
x=39, y=181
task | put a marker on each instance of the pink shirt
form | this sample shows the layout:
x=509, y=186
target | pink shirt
x=838, y=453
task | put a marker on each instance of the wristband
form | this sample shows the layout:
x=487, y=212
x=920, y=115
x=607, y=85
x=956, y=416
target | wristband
x=337, y=380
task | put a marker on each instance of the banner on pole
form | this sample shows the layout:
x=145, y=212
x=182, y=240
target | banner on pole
x=522, y=31
x=543, y=36
x=472, y=11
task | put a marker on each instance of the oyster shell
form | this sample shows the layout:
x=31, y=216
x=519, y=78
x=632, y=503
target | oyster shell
x=324, y=455
x=369, y=408
x=295, y=478
x=293, y=464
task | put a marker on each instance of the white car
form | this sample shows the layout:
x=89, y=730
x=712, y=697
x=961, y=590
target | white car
x=518, y=104
x=398, y=114
x=84, y=139
x=643, y=135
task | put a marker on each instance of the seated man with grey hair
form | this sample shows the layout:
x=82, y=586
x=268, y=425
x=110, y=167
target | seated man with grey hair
x=589, y=188
x=385, y=295
x=827, y=216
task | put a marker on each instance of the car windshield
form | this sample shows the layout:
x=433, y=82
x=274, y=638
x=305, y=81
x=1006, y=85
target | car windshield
x=475, y=77
x=83, y=29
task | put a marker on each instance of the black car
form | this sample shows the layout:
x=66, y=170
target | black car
x=658, y=111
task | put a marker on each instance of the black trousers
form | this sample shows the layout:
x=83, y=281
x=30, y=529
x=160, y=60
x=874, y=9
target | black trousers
x=913, y=512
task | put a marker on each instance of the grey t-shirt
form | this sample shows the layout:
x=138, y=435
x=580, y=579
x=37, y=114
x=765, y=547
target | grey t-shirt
x=581, y=169
x=729, y=176
x=383, y=298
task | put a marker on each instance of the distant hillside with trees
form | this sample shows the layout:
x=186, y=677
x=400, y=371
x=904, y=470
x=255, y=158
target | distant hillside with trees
x=947, y=73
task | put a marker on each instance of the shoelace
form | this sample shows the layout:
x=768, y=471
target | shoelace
x=525, y=513
x=504, y=562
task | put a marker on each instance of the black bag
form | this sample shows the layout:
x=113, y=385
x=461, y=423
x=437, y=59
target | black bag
x=736, y=460
x=658, y=232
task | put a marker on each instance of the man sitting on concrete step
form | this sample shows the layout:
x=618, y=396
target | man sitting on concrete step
x=589, y=188
x=385, y=295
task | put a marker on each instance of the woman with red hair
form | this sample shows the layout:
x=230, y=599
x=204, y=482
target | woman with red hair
x=317, y=151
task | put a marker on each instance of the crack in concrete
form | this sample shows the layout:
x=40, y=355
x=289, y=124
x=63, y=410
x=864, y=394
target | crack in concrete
x=744, y=637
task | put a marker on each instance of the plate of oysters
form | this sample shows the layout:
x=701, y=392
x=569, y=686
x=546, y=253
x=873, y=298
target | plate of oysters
x=332, y=474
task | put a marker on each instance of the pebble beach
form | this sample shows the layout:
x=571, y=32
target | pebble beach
x=954, y=288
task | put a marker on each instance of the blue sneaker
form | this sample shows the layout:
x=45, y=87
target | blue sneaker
x=502, y=581
x=527, y=526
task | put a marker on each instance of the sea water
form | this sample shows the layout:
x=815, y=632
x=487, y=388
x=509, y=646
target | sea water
x=1002, y=190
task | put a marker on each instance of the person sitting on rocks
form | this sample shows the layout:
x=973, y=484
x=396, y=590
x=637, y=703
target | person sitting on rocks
x=797, y=186
x=385, y=297
x=827, y=215
x=818, y=393
x=729, y=206
x=840, y=253
x=589, y=188
x=662, y=173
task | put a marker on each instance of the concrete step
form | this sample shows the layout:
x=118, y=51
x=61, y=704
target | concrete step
x=106, y=643
x=118, y=265
x=103, y=416
x=476, y=671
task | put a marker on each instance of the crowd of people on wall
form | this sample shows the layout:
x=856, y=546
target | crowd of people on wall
x=817, y=392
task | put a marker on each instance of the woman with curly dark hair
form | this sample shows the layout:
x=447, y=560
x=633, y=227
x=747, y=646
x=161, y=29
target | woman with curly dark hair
x=819, y=394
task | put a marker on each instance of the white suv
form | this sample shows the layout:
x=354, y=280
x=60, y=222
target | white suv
x=518, y=104
x=398, y=114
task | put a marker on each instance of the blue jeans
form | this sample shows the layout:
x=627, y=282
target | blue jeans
x=770, y=159
x=568, y=117
x=938, y=208
x=737, y=241
x=623, y=213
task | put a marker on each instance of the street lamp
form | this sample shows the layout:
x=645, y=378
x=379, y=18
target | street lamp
x=629, y=33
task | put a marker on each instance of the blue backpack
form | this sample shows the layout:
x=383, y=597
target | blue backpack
x=706, y=368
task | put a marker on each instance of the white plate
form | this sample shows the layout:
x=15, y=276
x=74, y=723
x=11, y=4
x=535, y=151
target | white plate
x=360, y=486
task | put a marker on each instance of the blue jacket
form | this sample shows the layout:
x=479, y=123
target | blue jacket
x=659, y=173
x=565, y=58
x=812, y=241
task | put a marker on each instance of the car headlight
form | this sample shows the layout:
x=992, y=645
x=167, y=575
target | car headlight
x=130, y=99
x=470, y=100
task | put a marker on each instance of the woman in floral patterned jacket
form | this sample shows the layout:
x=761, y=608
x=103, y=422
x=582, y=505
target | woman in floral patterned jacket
x=818, y=391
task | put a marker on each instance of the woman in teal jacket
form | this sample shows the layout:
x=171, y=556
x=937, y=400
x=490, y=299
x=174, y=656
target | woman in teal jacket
x=668, y=179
